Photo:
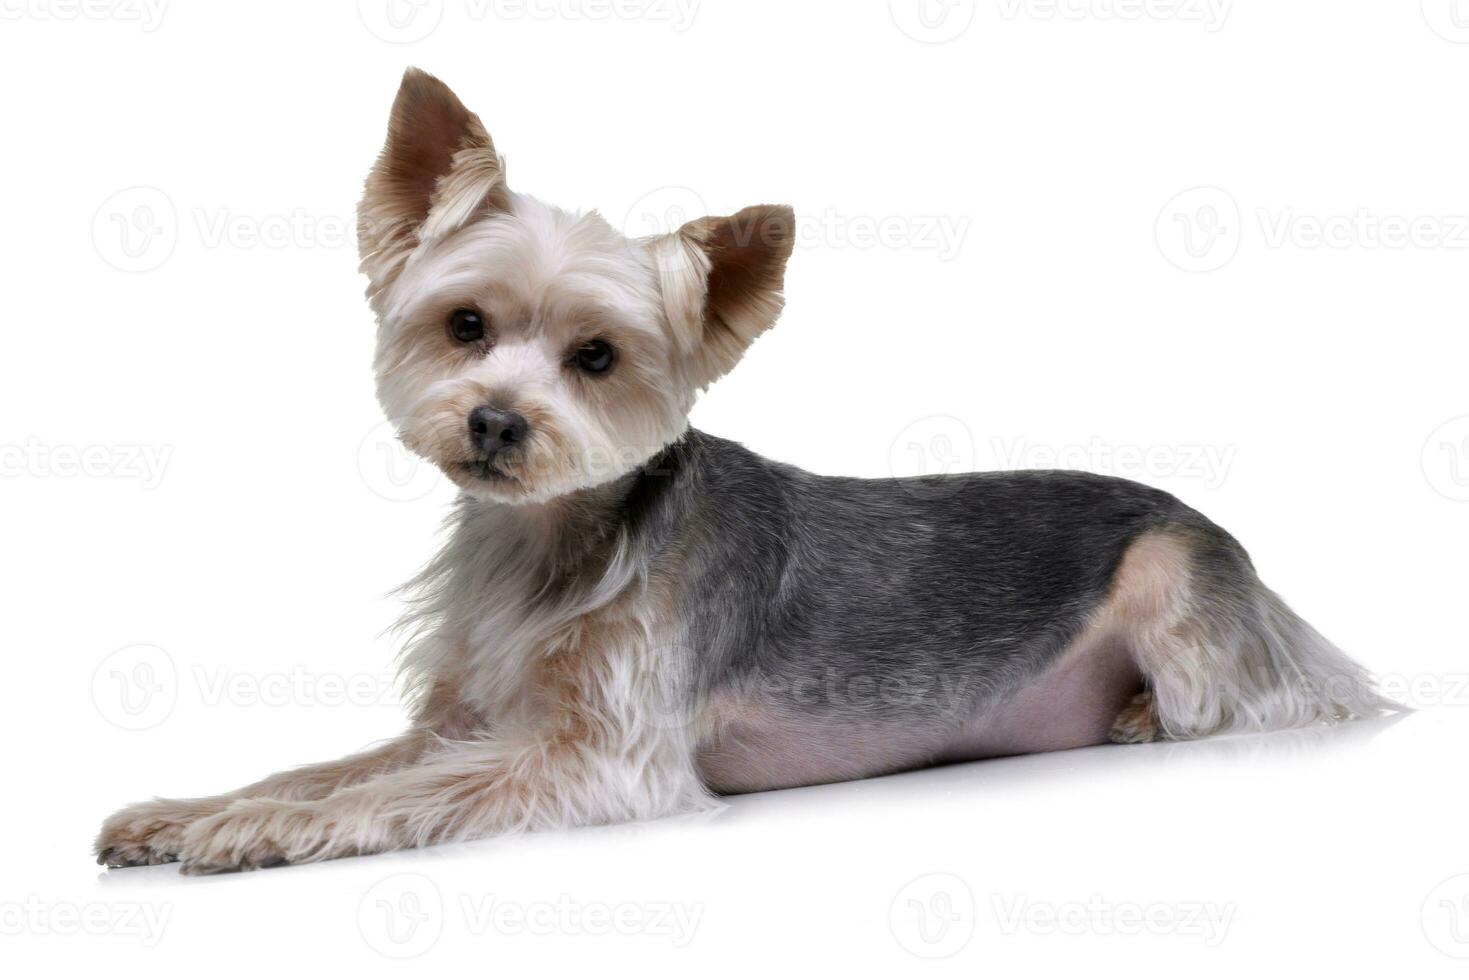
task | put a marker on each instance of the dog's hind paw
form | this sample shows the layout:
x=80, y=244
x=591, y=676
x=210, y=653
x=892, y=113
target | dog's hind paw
x=1137, y=722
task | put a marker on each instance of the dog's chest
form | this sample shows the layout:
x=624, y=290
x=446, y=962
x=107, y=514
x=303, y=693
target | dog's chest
x=599, y=664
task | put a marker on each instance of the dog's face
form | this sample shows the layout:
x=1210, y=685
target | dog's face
x=529, y=352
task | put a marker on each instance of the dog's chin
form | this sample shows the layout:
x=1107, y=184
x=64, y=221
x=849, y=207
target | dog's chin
x=488, y=483
x=484, y=481
x=519, y=479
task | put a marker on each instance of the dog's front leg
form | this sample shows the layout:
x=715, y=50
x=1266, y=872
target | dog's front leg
x=460, y=792
x=153, y=832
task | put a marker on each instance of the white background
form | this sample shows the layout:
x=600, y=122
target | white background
x=1002, y=227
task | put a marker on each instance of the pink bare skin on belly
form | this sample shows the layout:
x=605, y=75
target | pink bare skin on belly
x=1072, y=704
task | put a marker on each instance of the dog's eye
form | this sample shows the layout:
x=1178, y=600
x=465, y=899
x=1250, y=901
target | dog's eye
x=467, y=326
x=594, y=357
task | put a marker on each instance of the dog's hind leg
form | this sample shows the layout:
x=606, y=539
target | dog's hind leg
x=1219, y=651
x=1138, y=722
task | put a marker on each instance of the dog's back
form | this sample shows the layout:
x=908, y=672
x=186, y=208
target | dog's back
x=843, y=627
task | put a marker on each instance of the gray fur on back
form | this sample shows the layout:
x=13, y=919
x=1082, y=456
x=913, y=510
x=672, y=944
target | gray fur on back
x=882, y=598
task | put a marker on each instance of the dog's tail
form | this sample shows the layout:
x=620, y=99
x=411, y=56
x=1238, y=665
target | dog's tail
x=1238, y=659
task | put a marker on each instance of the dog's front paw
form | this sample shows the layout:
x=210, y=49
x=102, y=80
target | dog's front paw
x=252, y=834
x=149, y=833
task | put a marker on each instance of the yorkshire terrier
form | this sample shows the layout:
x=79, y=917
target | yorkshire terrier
x=633, y=617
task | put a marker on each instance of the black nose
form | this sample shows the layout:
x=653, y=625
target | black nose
x=491, y=429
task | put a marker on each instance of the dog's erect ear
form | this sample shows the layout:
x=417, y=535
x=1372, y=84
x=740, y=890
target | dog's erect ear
x=437, y=170
x=722, y=281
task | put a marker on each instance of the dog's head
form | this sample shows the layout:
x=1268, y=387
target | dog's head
x=529, y=352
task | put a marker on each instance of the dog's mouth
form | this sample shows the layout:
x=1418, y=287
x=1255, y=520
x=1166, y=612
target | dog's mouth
x=486, y=471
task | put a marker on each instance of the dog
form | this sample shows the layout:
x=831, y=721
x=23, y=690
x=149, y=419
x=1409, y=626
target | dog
x=633, y=618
